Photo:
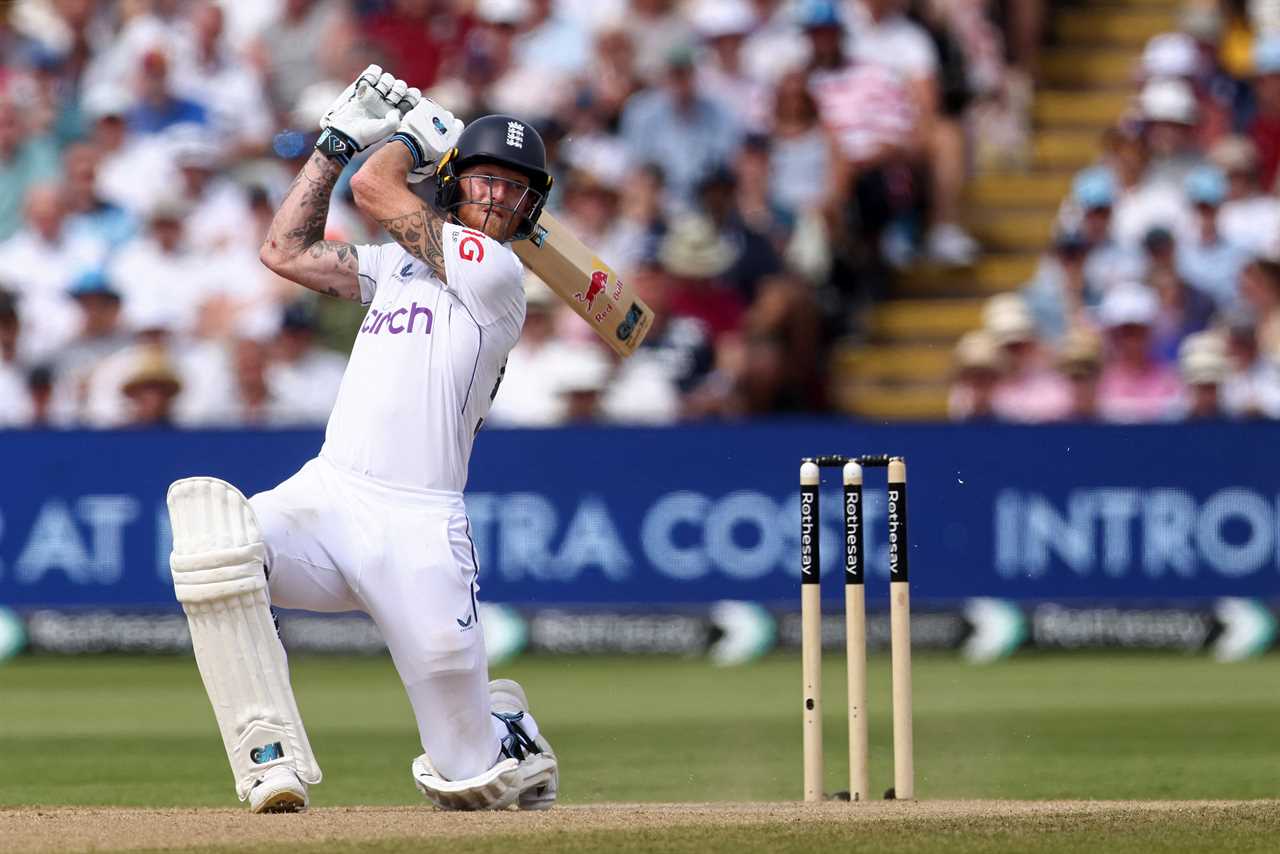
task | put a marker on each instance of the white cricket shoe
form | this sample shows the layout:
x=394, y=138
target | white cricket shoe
x=538, y=762
x=278, y=790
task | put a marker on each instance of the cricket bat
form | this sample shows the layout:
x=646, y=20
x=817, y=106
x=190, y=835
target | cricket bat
x=590, y=286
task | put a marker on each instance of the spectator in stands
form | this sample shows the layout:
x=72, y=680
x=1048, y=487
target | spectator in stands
x=218, y=217
x=158, y=273
x=1202, y=363
x=1107, y=261
x=151, y=386
x=750, y=235
x=48, y=255
x=303, y=377
x=537, y=90
x=1249, y=218
x=307, y=41
x=157, y=107
x=1260, y=290
x=25, y=161
x=1059, y=296
x=15, y=409
x=1135, y=386
x=1252, y=385
x=1182, y=308
x=881, y=34
x=670, y=376
x=582, y=383
x=697, y=258
x=1029, y=390
x=1205, y=260
x=40, y=396
x=1080, y=363
x=1177, y=56
x=800, y=152
x=723, y=25
x=975, y=375
x=100, y=335
x=87, y=210
x=1264, y=130
x=679, y=128
x=418, y=36
x=551, y=39
x=656, y=30
x=230, y=90
x=1168, y=116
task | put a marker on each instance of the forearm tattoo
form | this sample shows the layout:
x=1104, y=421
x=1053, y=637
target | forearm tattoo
x=421, y=233
x=298, y=228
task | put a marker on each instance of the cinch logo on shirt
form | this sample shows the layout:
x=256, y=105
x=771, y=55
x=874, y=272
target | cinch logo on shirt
x=400, y=320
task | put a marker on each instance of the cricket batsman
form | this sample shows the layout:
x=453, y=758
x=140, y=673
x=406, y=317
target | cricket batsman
x=376, y=522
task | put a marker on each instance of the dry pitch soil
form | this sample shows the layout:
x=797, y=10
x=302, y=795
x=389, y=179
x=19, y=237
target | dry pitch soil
x=118, y=828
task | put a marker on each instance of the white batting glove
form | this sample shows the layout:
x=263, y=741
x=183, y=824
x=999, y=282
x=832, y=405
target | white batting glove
x=366, y=112
x=428, y=131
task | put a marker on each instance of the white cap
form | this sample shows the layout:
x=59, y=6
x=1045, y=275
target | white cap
x=716, y=18
x=1202, y=359
x=1168, y=100
x=106, y=100
x=1170, y=55
x=1128, y=303
x=587, y=370
x=502, y=11
x=1008, y=320
x=977, y=350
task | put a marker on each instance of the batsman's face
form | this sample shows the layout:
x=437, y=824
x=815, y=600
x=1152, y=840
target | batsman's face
x=495, y=199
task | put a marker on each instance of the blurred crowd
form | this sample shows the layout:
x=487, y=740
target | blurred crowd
x=1159, y=298
x=757, y=167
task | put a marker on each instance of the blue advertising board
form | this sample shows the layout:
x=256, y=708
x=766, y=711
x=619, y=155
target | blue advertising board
x=692, y=515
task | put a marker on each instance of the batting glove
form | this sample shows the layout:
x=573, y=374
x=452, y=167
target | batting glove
x=366, y=112
x=428, y=131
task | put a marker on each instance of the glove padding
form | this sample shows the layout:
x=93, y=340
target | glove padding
x=428, y=131
x=370, y=109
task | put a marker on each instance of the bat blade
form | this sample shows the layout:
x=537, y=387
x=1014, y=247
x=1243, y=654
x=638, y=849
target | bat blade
x=590, y=286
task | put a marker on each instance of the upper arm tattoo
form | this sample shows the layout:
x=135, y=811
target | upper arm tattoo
x=339, y=257
x=421, y=233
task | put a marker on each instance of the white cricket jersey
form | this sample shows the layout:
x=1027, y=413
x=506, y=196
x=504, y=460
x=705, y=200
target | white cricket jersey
x=427, y=361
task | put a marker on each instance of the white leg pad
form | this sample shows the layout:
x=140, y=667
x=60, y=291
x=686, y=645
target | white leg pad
x=218, y=576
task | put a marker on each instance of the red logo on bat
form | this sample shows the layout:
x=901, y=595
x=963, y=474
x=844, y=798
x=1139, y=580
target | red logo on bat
x=599, y=279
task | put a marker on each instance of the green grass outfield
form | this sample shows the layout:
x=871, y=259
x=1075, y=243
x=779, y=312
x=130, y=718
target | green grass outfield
x=139, y=732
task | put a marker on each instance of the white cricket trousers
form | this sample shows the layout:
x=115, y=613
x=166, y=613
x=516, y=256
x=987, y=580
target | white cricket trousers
x=337, y=541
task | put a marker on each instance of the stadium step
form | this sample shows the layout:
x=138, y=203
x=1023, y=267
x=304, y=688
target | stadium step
x=893, y=403
x=1011, y=230
x=1059, y=108
x=895, y=363
x=994, y=272
x=944, y=319
x=1123, y=25
x=1066, y=148
x=1073, y=68
x=1044, y=190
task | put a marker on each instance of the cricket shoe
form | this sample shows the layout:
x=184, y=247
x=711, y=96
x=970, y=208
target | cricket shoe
x=526, y=744
x=278, y=790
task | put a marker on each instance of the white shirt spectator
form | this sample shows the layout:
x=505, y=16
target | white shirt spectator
x=1158, y=203
x=894, y=42
x=305, y=389
x=164, y=287
x=1253, y=224
x=15, y=404
x=49, y=316
x=231, y=92
x=559, y=43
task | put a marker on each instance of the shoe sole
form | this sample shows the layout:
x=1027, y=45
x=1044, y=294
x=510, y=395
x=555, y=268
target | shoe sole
x=282, y=802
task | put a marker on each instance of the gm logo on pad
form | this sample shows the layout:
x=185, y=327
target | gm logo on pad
x=266, y=753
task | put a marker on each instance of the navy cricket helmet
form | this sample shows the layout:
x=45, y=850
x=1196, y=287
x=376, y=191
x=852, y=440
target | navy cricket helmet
x=504, y=140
